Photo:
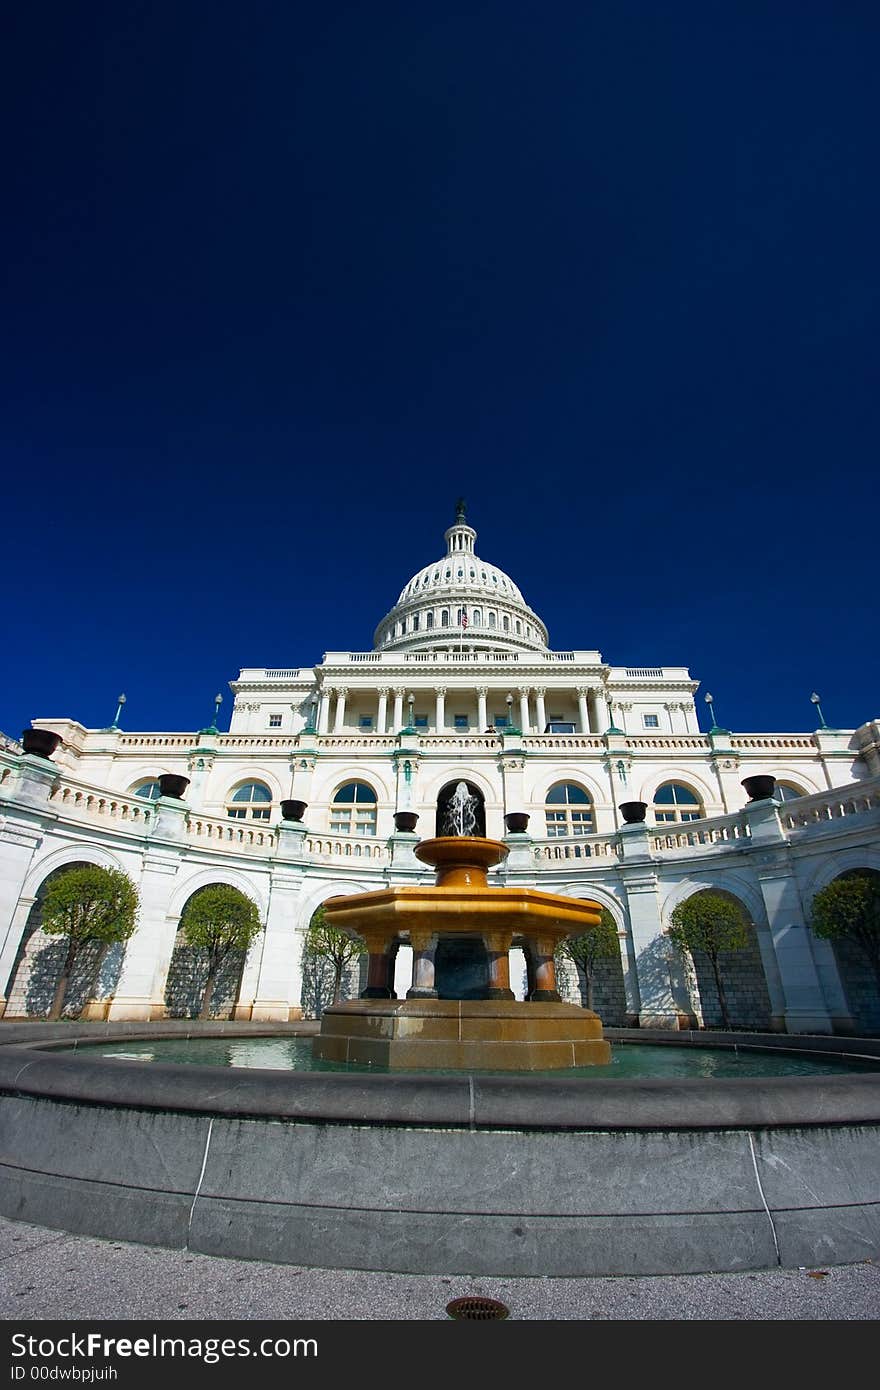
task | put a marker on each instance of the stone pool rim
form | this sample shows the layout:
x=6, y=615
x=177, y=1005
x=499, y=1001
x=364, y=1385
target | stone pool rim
x=32, y=1065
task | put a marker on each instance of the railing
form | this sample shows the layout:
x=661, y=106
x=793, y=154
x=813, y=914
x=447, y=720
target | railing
x=288, y=675
x=341, y=849
x=836, y=804
x=89, y=803
x=773, y=741
x=465, y=742
x=698, y=833
x=356, y=741
x=157, y=740
x=653, y=672
x=584, y=742
x=231, y=834
x=648, y=742
x=550, y=852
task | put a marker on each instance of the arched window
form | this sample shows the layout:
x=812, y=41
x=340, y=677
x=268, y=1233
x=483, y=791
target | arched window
x=492, y=619
x=478, y=617
x=519, y=626
x=444, y=618
x=787, y=791
x=505, y=623
x=429, y=620
x=353, y=811
x=250, y=801
x=150, y=791
x=674, y=802
x=568, y=810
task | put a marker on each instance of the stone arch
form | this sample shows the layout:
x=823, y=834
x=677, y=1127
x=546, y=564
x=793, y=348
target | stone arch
x=317, y=975
x=537, y=792
x=609, y=977
x=743, y=973
x=432, y=787
x=854, y=970
x=444, y=801
x=40, y=957
x=708, y=795
x=185, y=979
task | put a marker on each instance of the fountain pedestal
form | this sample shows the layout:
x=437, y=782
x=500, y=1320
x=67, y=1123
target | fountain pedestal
x=494, y=1031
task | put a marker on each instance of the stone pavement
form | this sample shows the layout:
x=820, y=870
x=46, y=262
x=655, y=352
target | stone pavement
x=52, y=1275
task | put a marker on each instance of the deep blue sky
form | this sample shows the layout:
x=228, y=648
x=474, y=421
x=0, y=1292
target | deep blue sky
x=283, y=280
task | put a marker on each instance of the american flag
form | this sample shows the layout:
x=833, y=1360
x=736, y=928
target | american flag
x=462, y=618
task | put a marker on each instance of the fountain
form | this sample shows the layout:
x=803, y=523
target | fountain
x=455, y=927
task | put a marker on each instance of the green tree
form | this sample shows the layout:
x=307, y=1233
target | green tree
x=218, y=920
x=93, y=907
x=338, y=948
x=850, y=907
x=711, y=923
x=597, y=944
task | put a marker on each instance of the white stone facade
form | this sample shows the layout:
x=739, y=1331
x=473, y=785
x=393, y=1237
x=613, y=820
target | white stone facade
x=441, y=700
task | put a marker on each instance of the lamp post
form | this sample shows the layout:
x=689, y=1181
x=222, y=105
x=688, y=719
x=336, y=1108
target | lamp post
x=212, y=728
x=410, y=717
x=814, y=698
x=121, y=702
x=312, y=716
x=509, y=703
x=710, y=702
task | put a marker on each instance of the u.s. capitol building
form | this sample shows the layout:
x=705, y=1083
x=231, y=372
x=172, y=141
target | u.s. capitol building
x=597, y=776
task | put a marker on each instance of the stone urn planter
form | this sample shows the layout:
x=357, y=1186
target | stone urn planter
x=633, y=812
x=41, y=742
x=759, y=788
x=293, y=810
x=405, y=820
x=172, y=784
x=517, y=822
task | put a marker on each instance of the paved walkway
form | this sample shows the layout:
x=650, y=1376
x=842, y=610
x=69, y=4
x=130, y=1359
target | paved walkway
x=51, y=1275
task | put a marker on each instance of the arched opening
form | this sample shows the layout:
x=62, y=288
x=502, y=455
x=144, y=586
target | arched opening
x=673, y=801
x=446, y=816
x=858, y=978
x=187, y=974
x=461, y=968
x=742, y=978
x=39, y=960
x=568, y=811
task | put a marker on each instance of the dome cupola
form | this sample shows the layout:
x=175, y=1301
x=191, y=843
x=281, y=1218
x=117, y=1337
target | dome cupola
x=461, y=602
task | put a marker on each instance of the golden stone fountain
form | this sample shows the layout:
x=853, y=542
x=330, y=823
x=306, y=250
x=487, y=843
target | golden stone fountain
x=460, y=1012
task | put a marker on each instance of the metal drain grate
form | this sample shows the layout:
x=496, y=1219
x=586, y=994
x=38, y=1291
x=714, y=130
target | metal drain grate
x=477, y=1309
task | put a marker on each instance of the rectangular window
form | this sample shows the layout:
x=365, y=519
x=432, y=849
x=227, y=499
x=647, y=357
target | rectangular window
x=366, y=721
x=461, y=721
x=421, y=721
x=651, y=721
x=501, y=721
x=274, y=721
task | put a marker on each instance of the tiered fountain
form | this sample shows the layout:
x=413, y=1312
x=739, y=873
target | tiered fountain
x=460, y=1013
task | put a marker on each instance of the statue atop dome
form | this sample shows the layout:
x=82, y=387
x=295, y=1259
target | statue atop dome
x=460, y=518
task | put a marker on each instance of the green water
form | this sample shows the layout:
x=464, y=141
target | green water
x=627, y=1059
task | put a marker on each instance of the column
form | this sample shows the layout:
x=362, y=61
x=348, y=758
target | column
x=379, y=960
x=651, y=949
x=583, y=716
x=482, y=715
x=324, y=711
x=140, y=992
x=497, y=946
x=524, y=723
x=424, y=948
x=279, y=990
x=541, y=950
x=397, y=719
x=340, y=709
x=598, y=710
x=382, y=711
x=540, y=714
x=440, y=709
x=18, y=843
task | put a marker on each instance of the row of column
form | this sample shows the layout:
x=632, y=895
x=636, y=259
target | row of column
x=591, y=703
x=538, y=951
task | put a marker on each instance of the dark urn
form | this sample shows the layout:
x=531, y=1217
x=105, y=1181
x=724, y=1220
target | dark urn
x=41, y=742
x=172, y=784
x=293, y=810
x=517, y=822
x=405, y=820
x=633, y=812
x=759, y=788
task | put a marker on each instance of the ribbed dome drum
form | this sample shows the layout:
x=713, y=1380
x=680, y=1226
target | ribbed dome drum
x=461, y=600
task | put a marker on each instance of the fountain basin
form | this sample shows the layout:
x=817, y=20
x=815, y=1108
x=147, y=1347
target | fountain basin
x=462, y=1034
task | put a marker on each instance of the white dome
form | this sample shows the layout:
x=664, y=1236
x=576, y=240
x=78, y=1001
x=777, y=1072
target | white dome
x=461, y=599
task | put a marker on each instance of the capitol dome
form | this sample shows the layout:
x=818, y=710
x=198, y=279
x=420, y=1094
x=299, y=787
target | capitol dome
x=461, y=601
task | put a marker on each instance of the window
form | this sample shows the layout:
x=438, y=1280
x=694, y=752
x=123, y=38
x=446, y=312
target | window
x=491, y=619
x=251, y=797
x=461, y=721
x=651, y=721
x=785, y=791
x=568, y=811
x=421, y=721
x=500, y=721
x=505, y=623
x=150, y=791
x=366, y=721
x=478, y=617
x=429, y=620
x=353, y=811
x=674, y=802
x=415, y=622
x=274, y=721
x=444, y=618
